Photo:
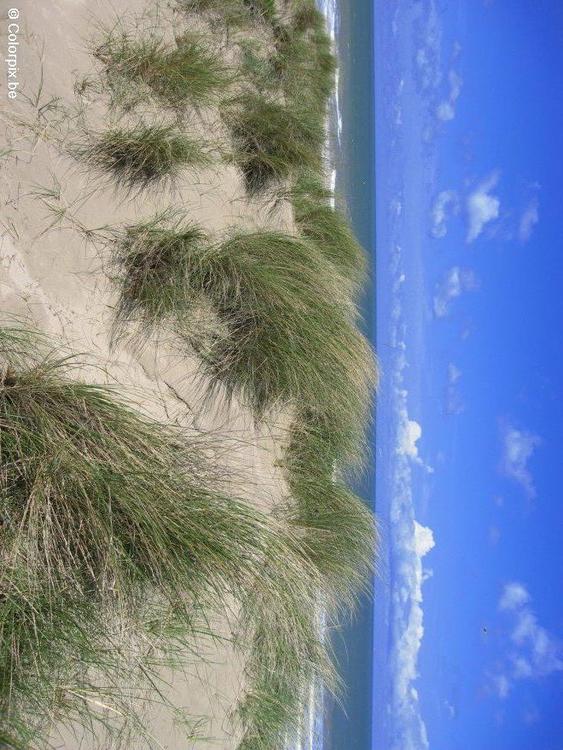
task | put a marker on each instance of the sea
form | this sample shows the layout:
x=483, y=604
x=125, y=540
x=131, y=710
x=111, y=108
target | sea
x=347, y=722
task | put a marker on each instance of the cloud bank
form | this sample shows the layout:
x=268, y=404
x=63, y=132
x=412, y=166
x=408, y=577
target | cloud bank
x=411, y=542
x=482, y=207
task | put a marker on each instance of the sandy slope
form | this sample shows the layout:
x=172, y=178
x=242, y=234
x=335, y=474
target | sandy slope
x=54, y=273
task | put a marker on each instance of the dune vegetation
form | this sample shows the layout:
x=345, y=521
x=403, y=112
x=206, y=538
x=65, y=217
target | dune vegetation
x=112, y=522
x=117, y=534
x=186, y=73
x=144, y=155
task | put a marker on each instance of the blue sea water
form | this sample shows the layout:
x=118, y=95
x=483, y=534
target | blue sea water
x=352, y=137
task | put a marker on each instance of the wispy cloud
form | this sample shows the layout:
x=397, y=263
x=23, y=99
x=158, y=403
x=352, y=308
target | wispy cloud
x=454, y=403
x=456, y=281
x=446, y=204
x=445, y=111
x=514, y=596
x=518, y=447
x=428, y=38
x=482, y=206
x=528, y=220
x=534, y=653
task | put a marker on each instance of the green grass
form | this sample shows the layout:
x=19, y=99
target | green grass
x=340, y=533
x=233, y=10
x=105, y=512
x=305, y=64
x=154, y=262
x=325, y=225
x=291, y=339
x=307, y=17
x=264, y=9
x=189, y=73
x=143, y=155
x=271, y=140
x=289, y=336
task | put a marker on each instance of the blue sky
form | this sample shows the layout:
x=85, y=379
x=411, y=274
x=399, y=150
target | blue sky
x=469, y=607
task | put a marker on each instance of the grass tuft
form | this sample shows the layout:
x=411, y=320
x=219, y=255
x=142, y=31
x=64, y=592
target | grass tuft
x=263, y=9
x=339, y=528
x=271, y=141
x=144, y=155
x=155, y=262
x=323, y=224
x=307, y=17
x=189, y=73
x=289, y=335
x=304, y=62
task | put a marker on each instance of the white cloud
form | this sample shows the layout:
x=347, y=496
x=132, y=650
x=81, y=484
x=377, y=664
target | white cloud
x=528, y=220
x=446, y=203
x=454, y=403
x=456, y=281
x=410, y=434
x=416, y=541
x=534, y=652
x=454, y=373
x=518, y=448
x=501, y=685
x=423, y=540
x=450, y=709
x=445, y=110
x=482, y=207
x=514, y=596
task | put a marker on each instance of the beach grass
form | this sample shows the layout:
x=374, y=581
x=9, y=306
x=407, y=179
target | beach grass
x=189, y=73
x=272, y=140
x=154, y=262
x=341, y=536
x=232, y=14
x=307, y=17
x=289, y=336
x=105, y=511
x=144, y=155
x=321, y=222
x=305, y=64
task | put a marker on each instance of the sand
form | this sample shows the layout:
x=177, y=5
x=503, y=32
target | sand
x=55, y=274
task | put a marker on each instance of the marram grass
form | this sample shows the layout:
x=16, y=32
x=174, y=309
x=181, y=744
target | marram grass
x=144, y=155
x=103, y=512
x=230, y=13
x=304, y=62
x=272, y=140
x=154, y=263
x=325, y=225
x=187, y=73
x=288, y=334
